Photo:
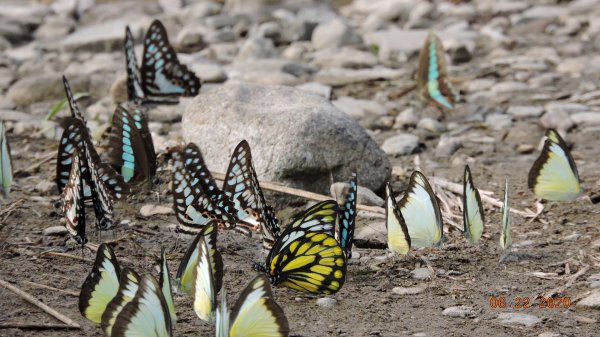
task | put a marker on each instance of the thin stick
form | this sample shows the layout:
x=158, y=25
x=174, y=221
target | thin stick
x=569, y=283
x=271, y=186
x=37, y=285
x=26, y=326
x=39, y=304
x=8, y=211
x=75, y=257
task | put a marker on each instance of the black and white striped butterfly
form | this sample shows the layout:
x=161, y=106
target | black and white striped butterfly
x=131, y=151
x=161, y=79
x=73, y=206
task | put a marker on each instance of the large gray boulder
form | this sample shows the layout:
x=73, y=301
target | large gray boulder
x=297, y=138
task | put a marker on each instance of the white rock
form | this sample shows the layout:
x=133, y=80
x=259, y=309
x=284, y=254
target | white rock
x=586, y=118
x=590, y=302
x=524, y=111
x=209, y=72
x=334, y=34
x=316, y=88
x=326, y=302
x=401, y=144
x=478, y=84
x=105, y=36
x=257, y=48
x=511, y=319
x=565, y=107
x=407, y=117
x=55, y=230
x=459, y=311
x=150, y=210
x=559, y=120
x=431, y=125
x=422, y=273
x=359, y=108
x=343, y=76
x=498, y=121
x=346, y=57
x=508, y=87
x=447, y=146
x=409, y=290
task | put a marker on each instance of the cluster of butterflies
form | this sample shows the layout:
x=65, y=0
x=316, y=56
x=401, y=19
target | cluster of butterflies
x=81, y=175
x=309, y=255
x=416, y=220
x=127, y=304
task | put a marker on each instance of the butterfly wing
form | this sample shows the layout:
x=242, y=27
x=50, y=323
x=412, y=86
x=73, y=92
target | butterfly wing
x=128, y=287
x=187, y=266
x=134, y=83
x=6, y=169
x=203, y=285
x=472, y=209
x=163, y=77
x=256, y=313
x=164, y=281
x=75, y=111
x=505, y=235
x=347, y=217
x=70, y=141
x=432, y=76
x=421, y=212
x=101, y=285
x=146, y=315
x=554, y=175
x=128, y=151
x=73, y=206
x=398, y=238
x=222, y=317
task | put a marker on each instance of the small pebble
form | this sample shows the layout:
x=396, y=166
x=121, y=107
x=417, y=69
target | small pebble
x=55, y=230
x=327, y=302
x=150, y=210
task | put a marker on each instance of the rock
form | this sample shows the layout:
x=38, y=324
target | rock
x=326, y=302
x=508, y=87
x=371, y=235
x=401, y=144
x=459, y=311
x=191, y=39
x=268, y=71
x=199, y=10
x=498, y=121
x=407, y=117
x=54, y=28
x=257, y=48
x=316, y=88
x=296, y=50
x=549, y=334
x=293, y=134
x=333, y=34
x=431, y=125
x=559, y=120
x=409, y=290
x=511, y=319
x=43, y=87
x=525, y=148
x=586, y=118
x=447, y=146
x=150, y=210
x=44, y=187
x=55, y=230
x=344, y=58
x=104, y=37
x=590, y=302
x=209, y=72
x=386, y=9
x=565, y=107
x=542, y=12
x=422, y=273
x=364, y=196
x=343, y=76
x=359, y=108
x=373, y=23
x=524, y=111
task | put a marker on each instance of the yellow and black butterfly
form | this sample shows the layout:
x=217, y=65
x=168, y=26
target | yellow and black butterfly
x=421, y=212
x=128, y=287
x=553, y=175
x=6, y=169
x=161, y=78
x=147, y=314
x=472, y=209
x=101, y=285
x=131, y=151
x=397, y=232
x=432, y=76
x=505, y=236
x=307, y=257
x=255, y=314
x=347, y=218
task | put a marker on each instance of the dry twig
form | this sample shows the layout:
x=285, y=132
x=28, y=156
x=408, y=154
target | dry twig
x=42, y=286
x=26, y=326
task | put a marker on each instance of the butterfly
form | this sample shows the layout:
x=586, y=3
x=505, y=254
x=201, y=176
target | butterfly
x=147, y=314
x=421, y=212
x=398, y=237
x=255, y=313
x=164, y=281
x=204, y=287
x=505, y=237
x=161, y=78
x=347, y=217
x=73, y=206
x=101, y=285
x=472, y=209
x=6, y=170
x=307, y=257
x=128, y=287
x=432, y=76
x=130, y=145
x=553, y=175
x=75, y=111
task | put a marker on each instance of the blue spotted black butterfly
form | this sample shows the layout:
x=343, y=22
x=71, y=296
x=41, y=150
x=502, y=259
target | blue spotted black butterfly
x=432, y=76
x=347, y=216
x=161, y=78
x=131, y=151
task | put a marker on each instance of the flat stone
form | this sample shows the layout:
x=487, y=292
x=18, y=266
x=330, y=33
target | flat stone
x=559, y=120
x=372, y=234
x=510, y=318
x=508, y=87
x=333, y=34
x=407, y=117
x=43, y=87
x=293, y=135
x=209, y=72
x=55, y=230
x=461, y=311
x=401, y=144
x=150, y=210
x=586, y=118
x=498, y=121
x=431, y=125
x=343, y=76
x=359, y=108
x=447, y=146
x=409, y=290
x=257, y=48
x=524, y=111
x=104, y=37
x=565, y=107
x=422, y=273
x=590, y=302
x=364, y=196
x=327, y=302
x=316, y=88
x=344, y=58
